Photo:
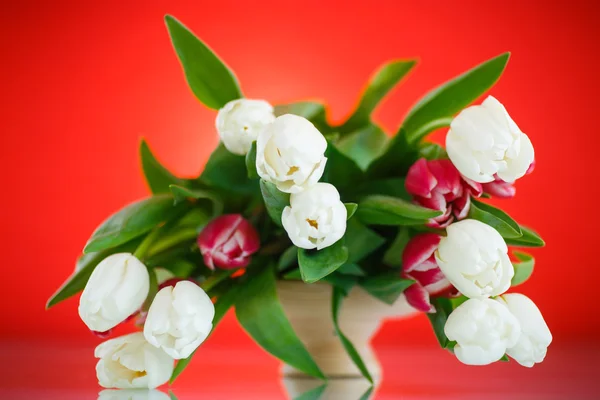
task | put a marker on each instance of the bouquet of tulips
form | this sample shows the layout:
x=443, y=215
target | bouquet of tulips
x=289, y=196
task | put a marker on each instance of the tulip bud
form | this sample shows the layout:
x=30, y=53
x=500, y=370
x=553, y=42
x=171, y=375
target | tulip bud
x=228, y=241
x=438, y=185
x=474, y=258
x=116, y=289
x=290, y=153
x=484, y=141
x=483, y=331
x=315, y=218
x=240, y=121
x=179, y=319
x=419, y=264
x=129, y=362
x=132, y=394
x=535, y=336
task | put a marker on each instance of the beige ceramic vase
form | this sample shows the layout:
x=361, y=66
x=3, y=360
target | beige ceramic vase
x=308, y=307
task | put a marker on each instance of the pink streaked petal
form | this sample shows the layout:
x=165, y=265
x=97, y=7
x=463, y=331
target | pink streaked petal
x=531, y=168
x=419, y=249
x=475, y=188
x=448, y=177
x=426, y=265
x=437, y=201
x=418, y=297
x=419, y=180
x=218, y=231
x=224, y=262
x=208, y=260
x=427, y=278
x=500, y=189
x=247, y=237
x=462, y=206
x=443, y=220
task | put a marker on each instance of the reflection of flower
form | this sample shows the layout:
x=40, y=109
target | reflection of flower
x=132, y=394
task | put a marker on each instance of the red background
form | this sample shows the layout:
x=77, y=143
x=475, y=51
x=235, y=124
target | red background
x=83, y=81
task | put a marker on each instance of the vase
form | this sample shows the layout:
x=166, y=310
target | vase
x=308, y=308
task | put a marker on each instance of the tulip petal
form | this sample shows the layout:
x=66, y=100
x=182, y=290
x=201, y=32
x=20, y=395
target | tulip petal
x=417, y=297
x=418, y=250
x=419, y=180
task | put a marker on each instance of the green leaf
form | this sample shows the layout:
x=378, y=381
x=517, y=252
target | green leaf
x=130, y=222
x=351, y=209
x=496, y=218
x=275, y=201
x=504, y=358
x=227, y=171
x=316, y=264
x=360, y=241
x=345, y=283
x=443, y=308
x=211, y=81
x=364, y=145
x=340, y=170
x=386, y=210
x=351, y=269
x=393, y=255
x=180, y=268
x=393, y=187
x=157, y=177
x=432, y=151
x=386, y=287
x=523, y=269
x=378, y=86
x=311, y=110
x=172, y=395
x=529, y=239
x=336, y=301
x=83, y=270
x=224, y=302
x=437, y=108
x=288, y=258
x=251, y=162
x=367, y=395
x=261, y=315
x=312, y=394
x=153, y=289
x=395, y=159
x=293, y=275
x=181, y=194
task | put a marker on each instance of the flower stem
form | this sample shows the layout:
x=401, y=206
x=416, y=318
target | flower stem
x=142, y=249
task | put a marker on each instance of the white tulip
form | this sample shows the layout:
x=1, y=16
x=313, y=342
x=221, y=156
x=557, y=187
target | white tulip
x=130, y=362
x=535, y=335
x=179, y=319
x=474, y=258
x=132, y=394
x=291, y=153
x=315, y=218
x=239, y=122
x=484, y=141
x=483, y=330
x=116, y=289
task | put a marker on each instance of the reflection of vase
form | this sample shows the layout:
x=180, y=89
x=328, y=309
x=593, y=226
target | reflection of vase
x=308, y=307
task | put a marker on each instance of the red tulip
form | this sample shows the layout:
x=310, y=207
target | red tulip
x=501, y=189
x=438, y=185
x=419, y=264
x=228, y=241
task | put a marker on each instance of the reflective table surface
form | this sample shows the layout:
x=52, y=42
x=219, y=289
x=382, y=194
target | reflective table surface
x=66, y=372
